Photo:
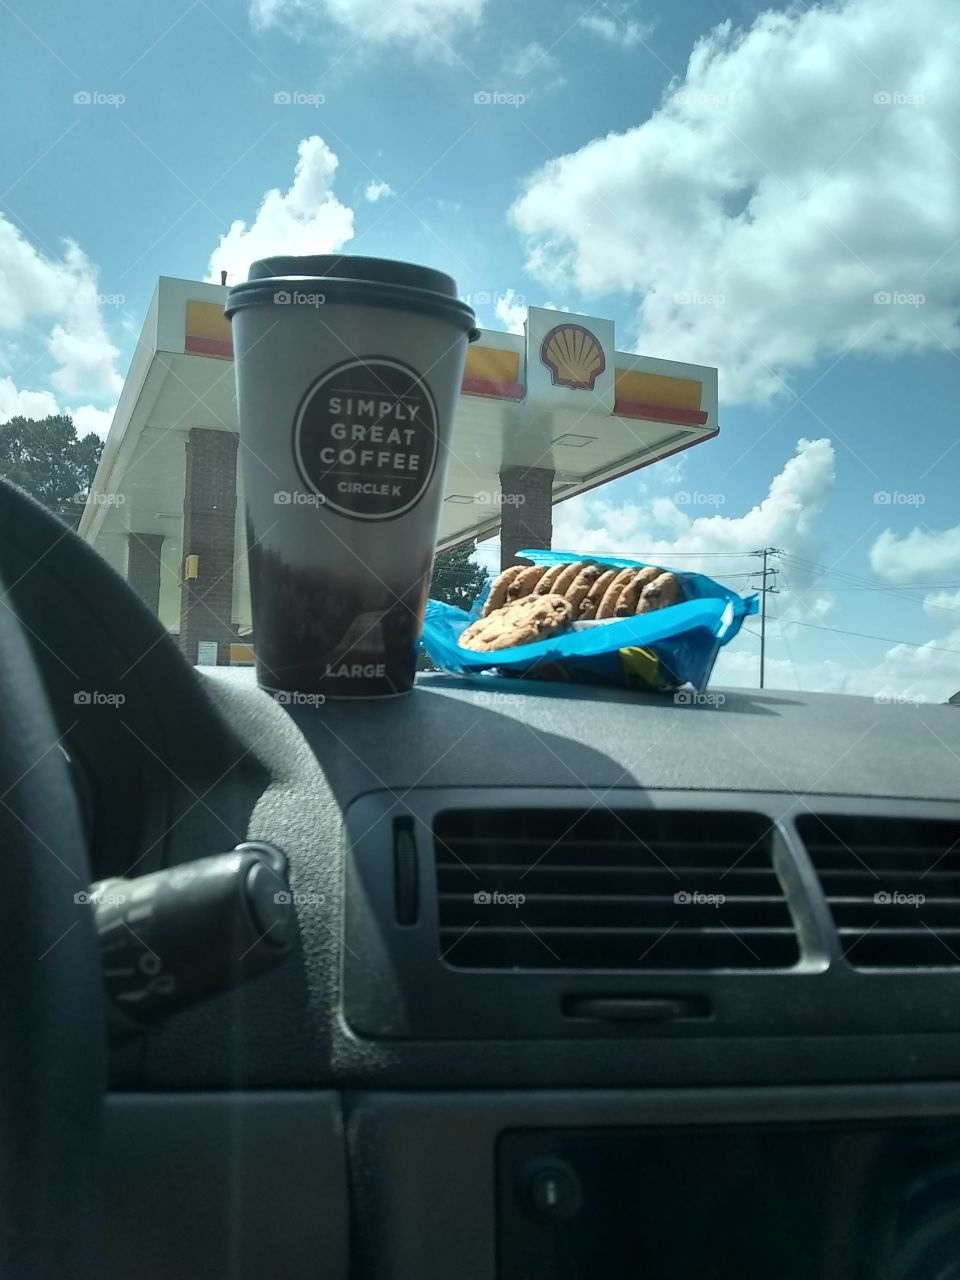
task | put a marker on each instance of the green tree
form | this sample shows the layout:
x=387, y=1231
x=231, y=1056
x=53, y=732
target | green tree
x=457, y=578
x=47, y=458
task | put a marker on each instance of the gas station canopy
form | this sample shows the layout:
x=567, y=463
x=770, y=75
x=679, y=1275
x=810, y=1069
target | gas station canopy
x=558, y=399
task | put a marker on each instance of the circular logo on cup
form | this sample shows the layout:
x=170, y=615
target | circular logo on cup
x=365, y=438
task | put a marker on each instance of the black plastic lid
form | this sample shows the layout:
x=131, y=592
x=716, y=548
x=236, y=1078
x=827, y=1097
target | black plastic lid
x=345, y=278
x=345, y=266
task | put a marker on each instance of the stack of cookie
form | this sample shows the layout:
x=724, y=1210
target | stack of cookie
x=528, y=603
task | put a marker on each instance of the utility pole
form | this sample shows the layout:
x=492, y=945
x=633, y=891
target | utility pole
x=766, y=575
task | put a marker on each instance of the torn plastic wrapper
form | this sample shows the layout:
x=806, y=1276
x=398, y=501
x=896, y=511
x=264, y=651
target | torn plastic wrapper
x=658, y=651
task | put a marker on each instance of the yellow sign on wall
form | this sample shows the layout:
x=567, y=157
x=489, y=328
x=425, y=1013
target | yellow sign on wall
x=207, y=331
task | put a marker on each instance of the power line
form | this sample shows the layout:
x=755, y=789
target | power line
x=786, y=644
x=868, y=585
x=852, y=581
x=783, y=636
x=913, y=644
x=855, y=582
x=824, y=570
x=667, y=554
x=831, y=571
x=917, y=586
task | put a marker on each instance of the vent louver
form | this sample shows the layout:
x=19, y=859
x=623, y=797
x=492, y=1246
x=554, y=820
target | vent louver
x=893, y=887
x=603, y=889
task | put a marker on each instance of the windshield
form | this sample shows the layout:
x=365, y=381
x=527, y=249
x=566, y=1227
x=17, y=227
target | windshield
x=711, y=249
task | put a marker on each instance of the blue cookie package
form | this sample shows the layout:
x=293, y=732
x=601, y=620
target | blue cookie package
x=653, y=652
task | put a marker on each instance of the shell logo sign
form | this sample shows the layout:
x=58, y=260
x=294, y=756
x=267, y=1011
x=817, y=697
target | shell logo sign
x=574, y=357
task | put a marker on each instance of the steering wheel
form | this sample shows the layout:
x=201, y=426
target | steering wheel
x=52, y=1030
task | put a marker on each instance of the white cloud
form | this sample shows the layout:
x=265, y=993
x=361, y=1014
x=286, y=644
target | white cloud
x=377, y=191
x=611, y=23
x=37, y=290
x=33, y=285
x=86, y=357
x=308, y=218
x=511, y=311
x=428, y=24
x=685, y=529
x=769, y=198
x=920, y=554
x=939, y=602
x=532, y=68
x=673, y=525
x=15, y=403
x=87, y=418
x=530, y=57
x=925, y=673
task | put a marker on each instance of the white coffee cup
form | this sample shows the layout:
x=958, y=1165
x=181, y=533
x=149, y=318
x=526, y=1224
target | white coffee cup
x=348, y=377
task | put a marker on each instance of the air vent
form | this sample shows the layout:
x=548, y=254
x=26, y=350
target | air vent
x=893, y=885
x=601, y=889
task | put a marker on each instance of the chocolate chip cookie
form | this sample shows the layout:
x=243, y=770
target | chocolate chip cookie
x=662, y=592
x=591, y=601
x=523, y=622
x=613, y=593
x=501, y=585
x=546, y=584
x=524, y=582
x=570, y=573
x=576, y=593
x=626, y=606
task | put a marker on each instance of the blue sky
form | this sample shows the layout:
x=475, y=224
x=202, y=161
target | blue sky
x=798, y=165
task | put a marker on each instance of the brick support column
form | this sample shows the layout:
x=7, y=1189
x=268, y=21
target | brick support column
x=526, y=511
x=143, y=566
x=209, y=525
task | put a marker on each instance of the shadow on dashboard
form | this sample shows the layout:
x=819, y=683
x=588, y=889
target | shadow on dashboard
x=504, y=691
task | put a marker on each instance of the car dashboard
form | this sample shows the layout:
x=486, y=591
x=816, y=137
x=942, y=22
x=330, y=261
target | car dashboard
x=585, y=982
x=576, y=967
